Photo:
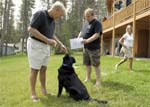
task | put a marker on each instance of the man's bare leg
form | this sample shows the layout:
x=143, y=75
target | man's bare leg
x=42, y=78
x=97, y=71
x=33, y=79
x=88, y=73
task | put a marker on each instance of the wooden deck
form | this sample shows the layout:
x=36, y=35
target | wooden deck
x=125, y=15
x=138, y=15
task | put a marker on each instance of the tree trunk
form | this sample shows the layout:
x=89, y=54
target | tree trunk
x=8, y=14
x=6, y=45
x=48, y=4
x=4, y=28
x=25, y=25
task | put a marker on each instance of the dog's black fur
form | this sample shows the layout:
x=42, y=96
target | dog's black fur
x=69, y=80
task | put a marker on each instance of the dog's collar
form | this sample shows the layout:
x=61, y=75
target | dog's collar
x=65, y=65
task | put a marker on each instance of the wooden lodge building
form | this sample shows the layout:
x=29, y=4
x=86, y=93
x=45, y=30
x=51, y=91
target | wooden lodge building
x=135, y=13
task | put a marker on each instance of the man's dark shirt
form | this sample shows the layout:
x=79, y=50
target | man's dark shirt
x=93, y=27
x=43, y=23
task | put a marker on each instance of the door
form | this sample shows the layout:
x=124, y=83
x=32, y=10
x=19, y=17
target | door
x=143, y=38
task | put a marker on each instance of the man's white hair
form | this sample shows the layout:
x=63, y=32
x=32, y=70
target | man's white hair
x=58, y=5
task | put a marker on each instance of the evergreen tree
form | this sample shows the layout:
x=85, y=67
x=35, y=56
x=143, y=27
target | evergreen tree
x=6, y=27
x=26, y=13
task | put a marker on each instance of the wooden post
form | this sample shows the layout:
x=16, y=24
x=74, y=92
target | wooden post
x=144, y=3
x=113, y=33
x=102, y=45
x=134, y=26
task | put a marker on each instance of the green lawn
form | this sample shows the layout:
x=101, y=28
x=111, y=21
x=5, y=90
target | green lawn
x=121, y=89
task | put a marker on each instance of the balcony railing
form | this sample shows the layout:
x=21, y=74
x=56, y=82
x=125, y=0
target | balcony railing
x=127, y=13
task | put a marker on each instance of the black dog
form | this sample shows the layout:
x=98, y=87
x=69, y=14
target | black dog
x=69, y=80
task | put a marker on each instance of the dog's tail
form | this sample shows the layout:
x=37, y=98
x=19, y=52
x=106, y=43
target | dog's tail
x=99, y=101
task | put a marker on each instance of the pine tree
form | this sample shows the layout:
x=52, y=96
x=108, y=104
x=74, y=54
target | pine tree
x=1, y=23
x=10, y=25
x=5, y=25
x=26, y=12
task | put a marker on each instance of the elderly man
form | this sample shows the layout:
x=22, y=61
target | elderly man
x=38, y=45
x=91, y=41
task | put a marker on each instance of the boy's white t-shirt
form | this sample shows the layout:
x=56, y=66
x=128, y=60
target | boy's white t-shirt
x=128, y=40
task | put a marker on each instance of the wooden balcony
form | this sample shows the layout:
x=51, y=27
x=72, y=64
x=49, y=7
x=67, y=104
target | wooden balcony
x=125, y=15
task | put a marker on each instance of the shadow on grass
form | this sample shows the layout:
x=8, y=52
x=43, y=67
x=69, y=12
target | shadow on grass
x=66, y=101
x=55, y=101
x=142, y=70
x=117, y=86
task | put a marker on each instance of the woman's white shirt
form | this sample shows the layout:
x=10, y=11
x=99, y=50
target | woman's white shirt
x=128, y=40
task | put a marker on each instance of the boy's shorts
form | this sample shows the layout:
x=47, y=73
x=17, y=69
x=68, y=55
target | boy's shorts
x=91, y=57
x=38, y=53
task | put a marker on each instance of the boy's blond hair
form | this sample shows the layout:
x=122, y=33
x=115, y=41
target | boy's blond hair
x=89, y=11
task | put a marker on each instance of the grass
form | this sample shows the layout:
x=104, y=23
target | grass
x=120, y=89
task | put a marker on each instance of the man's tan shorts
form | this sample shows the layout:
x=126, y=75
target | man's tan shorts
x=91, y=57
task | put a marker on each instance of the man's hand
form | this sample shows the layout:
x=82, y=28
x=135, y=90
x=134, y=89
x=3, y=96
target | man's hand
x=52, y=42
x=64, y=49
x=91, y=39
x=84, y=41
